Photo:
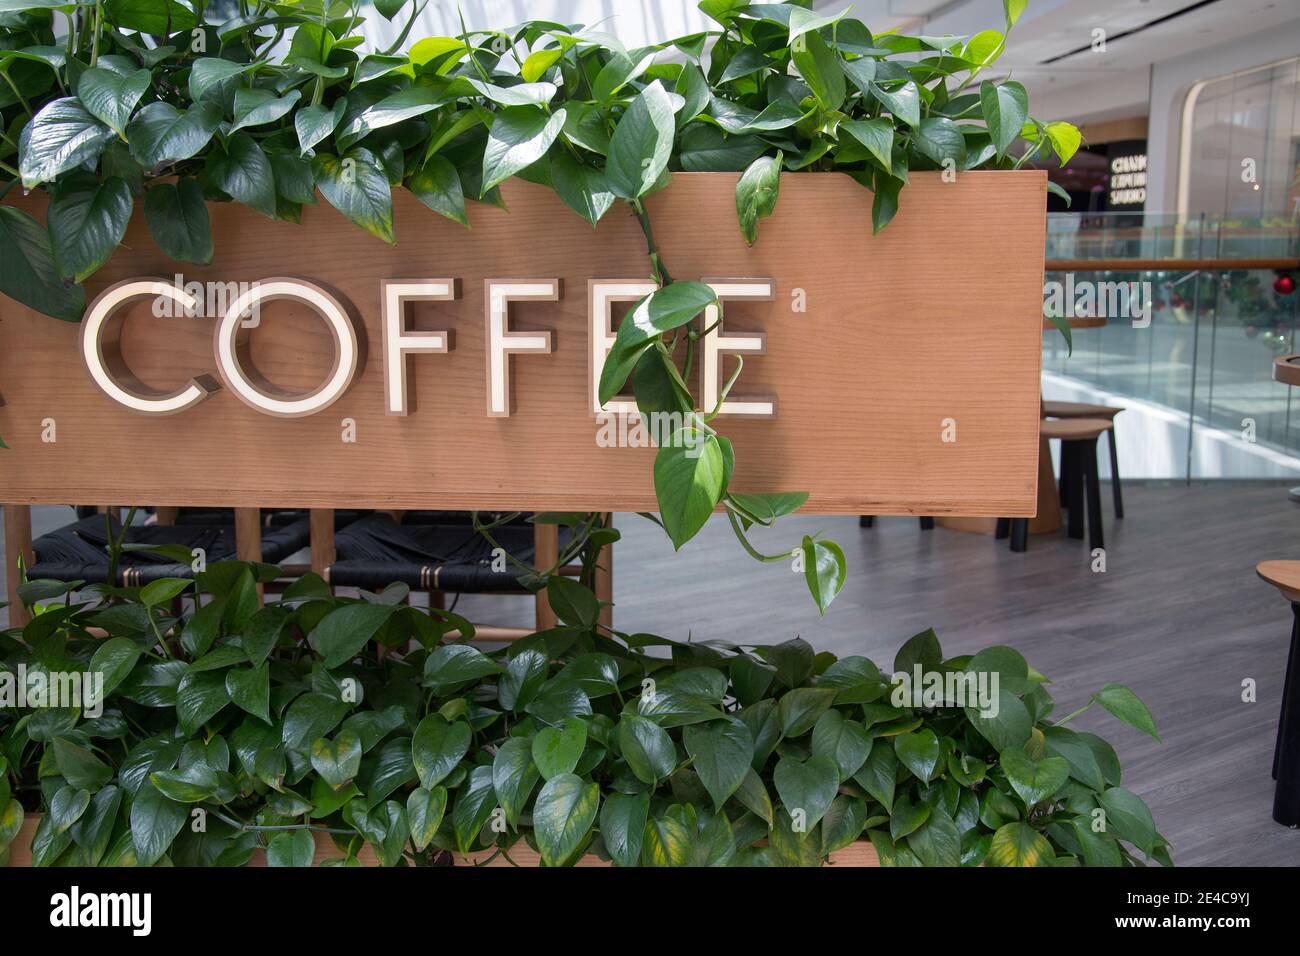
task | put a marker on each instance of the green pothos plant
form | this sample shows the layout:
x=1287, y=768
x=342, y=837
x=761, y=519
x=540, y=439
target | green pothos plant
x=113, y=103
x=227, y=729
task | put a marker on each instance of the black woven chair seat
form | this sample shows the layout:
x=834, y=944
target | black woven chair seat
x=77, y=552
x=425, y=553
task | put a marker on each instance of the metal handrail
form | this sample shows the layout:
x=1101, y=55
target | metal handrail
x=1284, y=264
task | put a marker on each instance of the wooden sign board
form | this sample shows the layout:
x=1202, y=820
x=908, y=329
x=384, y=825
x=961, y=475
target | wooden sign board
x=878, y=351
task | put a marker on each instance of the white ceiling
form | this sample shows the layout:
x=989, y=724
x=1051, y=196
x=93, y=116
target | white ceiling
x=1097, y=85
x=1085, y=87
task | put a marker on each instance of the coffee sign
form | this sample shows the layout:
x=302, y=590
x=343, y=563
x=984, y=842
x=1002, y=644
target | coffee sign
x=315, y=366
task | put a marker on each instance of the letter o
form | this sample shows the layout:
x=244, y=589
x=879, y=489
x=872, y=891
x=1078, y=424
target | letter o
x=256, y=396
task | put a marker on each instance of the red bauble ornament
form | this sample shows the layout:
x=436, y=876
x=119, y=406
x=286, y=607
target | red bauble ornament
x=1284, y=285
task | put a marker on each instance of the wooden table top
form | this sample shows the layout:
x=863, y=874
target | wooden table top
x=1286, y=369
x=1283, y=575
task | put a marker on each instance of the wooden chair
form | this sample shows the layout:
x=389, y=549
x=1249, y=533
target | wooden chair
x=1071, y=410
x=1078, y=437
x=252, y=542
x=437, y=553
x=1285, y=576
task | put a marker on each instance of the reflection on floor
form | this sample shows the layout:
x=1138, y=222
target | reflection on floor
x=1178, y=615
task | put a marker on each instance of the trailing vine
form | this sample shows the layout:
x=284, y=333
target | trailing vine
x=115, y=103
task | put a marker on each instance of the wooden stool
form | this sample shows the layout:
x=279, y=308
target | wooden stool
x=1078, y=437
x=867, y=521
x=1285, y=576
x=1069, y=410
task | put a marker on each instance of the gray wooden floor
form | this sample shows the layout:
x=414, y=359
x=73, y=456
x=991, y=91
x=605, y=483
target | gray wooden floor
x=1178, y=615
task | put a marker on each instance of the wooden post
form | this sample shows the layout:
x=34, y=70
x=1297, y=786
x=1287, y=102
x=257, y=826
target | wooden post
x=165, y=516
x=18, y=543
x=248, y=539
x=605, y=579
x=546, y=547
x=322, y=540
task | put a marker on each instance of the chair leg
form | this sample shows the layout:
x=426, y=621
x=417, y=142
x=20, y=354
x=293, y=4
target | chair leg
x=1286, y=795
x=1291, y=663
x=865, y=521
x=1091, y=479
x=1070, y=464
x=1004, y=528
x=927, y=523
x=1063, y=490
x=1019, y=534
x=1117, y=495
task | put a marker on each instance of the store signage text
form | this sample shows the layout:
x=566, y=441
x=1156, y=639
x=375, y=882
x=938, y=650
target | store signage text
x=503, y=344
x=1128, y=180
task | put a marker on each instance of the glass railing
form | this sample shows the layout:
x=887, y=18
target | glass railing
x=1200, y=371
x=1119, y=235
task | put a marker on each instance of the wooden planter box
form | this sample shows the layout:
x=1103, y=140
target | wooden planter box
x=20, y=853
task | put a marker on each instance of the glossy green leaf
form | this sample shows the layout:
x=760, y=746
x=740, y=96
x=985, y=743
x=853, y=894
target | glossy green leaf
x=689, y=480
x=583, y=188
x=79, y=766
x=437, y=747
x=250, y=689
x=756, y=193
x=623, y=819
x=721, y=753
x=519, y=137
x=178, y=220
x=61, y=136
x=820, y=69
x=114, y=659
x=339, y=760
x=314, y=123
x=256, y=107
x=806, y=787
x=437, y=185
x=825, y=570
x=557, y=750
x=291, y=848
x=155, y=822
x=1128, y=818
x=877, y=135
x=647, y=748
x=160, y=133
x=343, y=632
x=843, y=740
x=641, y=144
x=1019, y=844
x=424, y=811
x=356, y=187
x=67, y=806
x=28, y=273
x=1005, y=107
x=919, y=752
x=1128, y=707
x=1034, y=781
x=111, y=97
x=514, y=775
x=563, y=814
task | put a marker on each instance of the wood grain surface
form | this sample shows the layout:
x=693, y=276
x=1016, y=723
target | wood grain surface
x=937, y=317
